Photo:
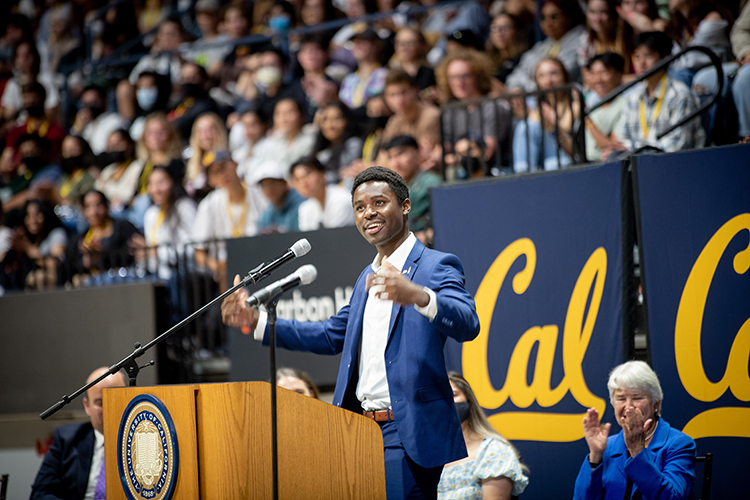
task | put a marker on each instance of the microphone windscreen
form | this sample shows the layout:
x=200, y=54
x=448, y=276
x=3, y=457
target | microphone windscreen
x=301, y=247
x=307, y=274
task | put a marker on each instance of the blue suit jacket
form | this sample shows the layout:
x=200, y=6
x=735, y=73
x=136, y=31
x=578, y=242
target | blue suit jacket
x=65, y=470
x=664, y=470
x=421, y=396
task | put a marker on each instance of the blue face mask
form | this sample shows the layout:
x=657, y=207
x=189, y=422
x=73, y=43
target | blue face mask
x=146, y=97
x=279, y=23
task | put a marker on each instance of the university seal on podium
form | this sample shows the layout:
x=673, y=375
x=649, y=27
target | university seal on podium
x=147, y=454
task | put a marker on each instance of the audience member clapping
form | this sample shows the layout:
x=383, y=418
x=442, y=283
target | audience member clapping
x=103, y=244
x=544, y=140
x=648, y=458
x=326, y=205
x=35, y=249
x=561, y=24
x=337, y=145
x=493, y=468
x=282, y=214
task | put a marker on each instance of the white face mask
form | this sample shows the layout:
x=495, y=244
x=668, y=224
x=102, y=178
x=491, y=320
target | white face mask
x=268, y=76
x=146, y=97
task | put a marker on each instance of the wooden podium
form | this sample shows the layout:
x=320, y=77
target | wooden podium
x=224, y=439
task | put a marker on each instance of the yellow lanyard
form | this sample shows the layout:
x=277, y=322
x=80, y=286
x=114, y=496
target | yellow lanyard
x=143, y=179
x=659, y=101
x=238, y=229
x=554, y=50
x=157, y=224
x=69, y=184
x=31, y=127
x=90, y=234
x=358, y=97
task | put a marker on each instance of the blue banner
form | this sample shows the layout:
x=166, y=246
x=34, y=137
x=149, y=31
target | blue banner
x=695, y=228
x=543, y=257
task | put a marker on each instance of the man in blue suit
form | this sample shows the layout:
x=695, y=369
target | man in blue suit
x=391, y=337
x=72, y=466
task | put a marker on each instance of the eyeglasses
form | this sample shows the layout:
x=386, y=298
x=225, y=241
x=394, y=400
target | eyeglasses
x=462, y=77
x=497, y=28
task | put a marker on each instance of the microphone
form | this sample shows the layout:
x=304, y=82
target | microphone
x=299, y=249
x=302, y=276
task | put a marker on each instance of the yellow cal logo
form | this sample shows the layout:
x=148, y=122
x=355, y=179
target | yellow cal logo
x=727, y=421
x=579, y=325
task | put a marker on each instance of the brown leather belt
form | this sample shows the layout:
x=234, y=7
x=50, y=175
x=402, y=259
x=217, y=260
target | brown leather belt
x=379, y=415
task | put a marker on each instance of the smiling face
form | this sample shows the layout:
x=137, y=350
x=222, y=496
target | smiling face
x=461, y=80
x=625, y=398
x=549, y=75
x=94, y=209
x=597, y=15
x=333, y=123
x=379, y=217
x=34, y=219
x=159, y=186
x=205, y=133
x=603, y=79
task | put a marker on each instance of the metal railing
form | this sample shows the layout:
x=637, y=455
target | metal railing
x=661, y=65
x=498, y=118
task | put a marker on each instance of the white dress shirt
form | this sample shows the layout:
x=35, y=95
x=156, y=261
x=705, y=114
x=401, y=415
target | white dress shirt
x=96, y=465
x=372, y=389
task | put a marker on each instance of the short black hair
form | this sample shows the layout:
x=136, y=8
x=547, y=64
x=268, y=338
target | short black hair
x=98, y=89
x=35, y=88
x=319, y=39
x=382, y=174
x=658, y=41
x=41, y=142
x=101, y=196
x=610, y=60
x=402, y=141
x=307, y=161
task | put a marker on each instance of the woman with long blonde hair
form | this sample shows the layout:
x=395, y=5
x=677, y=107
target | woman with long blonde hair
x=208, y=134
x=493, y=469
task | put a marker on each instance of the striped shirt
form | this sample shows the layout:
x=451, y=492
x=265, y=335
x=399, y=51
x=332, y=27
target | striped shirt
x=679, y=101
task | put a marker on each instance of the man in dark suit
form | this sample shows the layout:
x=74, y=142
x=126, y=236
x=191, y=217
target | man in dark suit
x=72, y=465
x=391, y=336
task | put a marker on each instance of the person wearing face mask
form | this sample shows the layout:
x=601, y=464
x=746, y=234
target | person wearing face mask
x=493, y=469
x=648, y=458
x=195, y=99
x=75, y=162
x=152, y=94
x=261, y=85
x=34, y=95
x=118, y=181
x=34, y=174
x=93, y=122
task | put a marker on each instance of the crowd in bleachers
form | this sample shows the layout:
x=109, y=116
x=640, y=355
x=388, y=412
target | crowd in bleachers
x=141, y=124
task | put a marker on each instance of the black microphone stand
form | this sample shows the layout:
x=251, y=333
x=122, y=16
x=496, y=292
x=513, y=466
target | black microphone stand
x=271, y=309
x=130, y=364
